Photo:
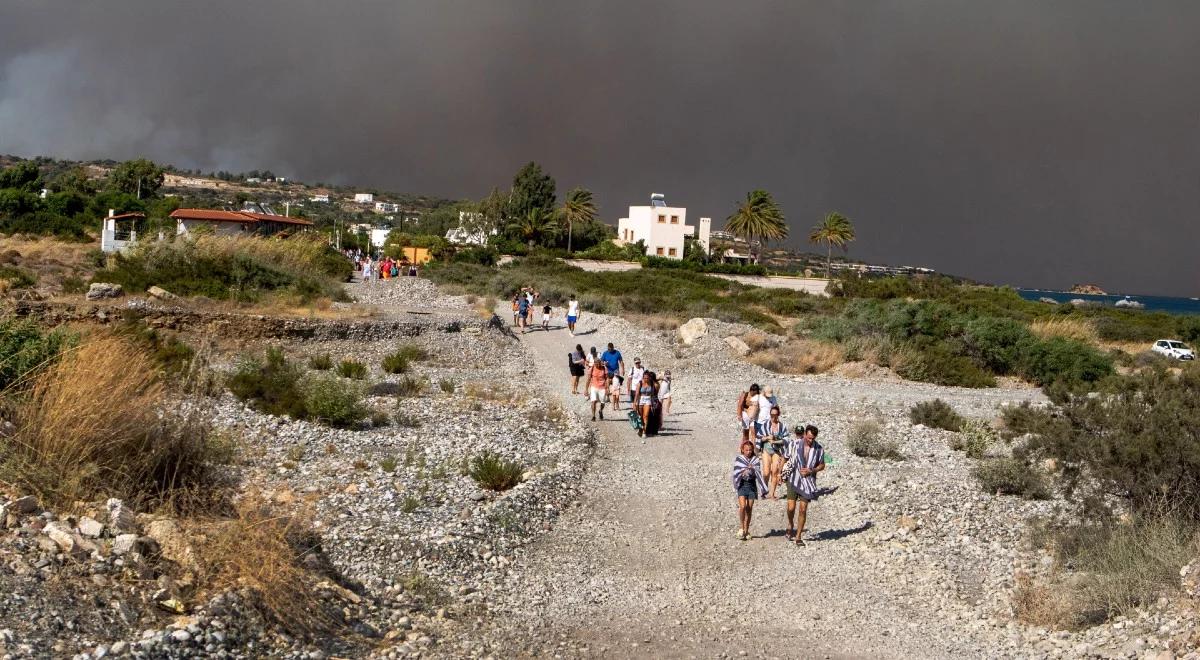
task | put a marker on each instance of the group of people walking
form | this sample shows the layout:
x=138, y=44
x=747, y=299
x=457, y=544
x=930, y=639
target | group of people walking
x=386, y=268
x=525, y=301
x=768, y=457
x=607, y=381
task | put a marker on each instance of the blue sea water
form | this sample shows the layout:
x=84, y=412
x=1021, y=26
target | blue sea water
x=1152, y=303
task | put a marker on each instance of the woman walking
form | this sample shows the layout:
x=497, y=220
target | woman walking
x=575, y=361
x=745, y=413
x=645, y=396
x=748, y=484
x=664, y=392
x=772, y=444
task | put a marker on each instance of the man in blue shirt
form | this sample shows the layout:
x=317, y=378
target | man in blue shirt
x=523, y=310
x=615, y=363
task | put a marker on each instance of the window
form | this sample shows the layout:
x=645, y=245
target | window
x=659, y=251
x=662, y=219
x=671, y=252
x=674, y=219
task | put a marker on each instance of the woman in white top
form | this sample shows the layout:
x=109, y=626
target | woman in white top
x=664, y=392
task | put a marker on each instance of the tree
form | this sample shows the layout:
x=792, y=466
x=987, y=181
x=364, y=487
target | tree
x=532, y=189
x=579, y=208
x=535, y=227
x=25, y=177
x=758, y=219
x=73, y=180
x=835, y=230
x=140, y=178
x=493, y=209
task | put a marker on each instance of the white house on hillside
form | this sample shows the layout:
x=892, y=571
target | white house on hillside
x=471, y=230
x=662, y=227
x=364, y=198
x=386, y=207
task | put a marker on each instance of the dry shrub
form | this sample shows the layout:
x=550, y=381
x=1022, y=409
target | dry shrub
x=869, y=439
x=97, y=424
x=1044, y=604
x=495, y=392
x=799, y=356
x=1068, y=328
x=758, y=341
x=656, y=322
x=267, y=552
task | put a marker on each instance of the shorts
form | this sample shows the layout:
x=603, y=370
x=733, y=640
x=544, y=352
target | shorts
x=771, y=448
x=571, y=319
x=748, y=489
x=746, y=423
x=577, y=370
x=793, y=495
x=596, y=394
x=545, y=318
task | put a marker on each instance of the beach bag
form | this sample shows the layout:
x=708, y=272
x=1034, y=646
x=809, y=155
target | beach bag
x=635, y=420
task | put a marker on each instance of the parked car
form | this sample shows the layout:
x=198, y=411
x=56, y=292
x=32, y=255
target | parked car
x=1173, y=348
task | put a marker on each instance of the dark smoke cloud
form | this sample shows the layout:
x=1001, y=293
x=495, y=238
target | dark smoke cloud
x=1028, y=142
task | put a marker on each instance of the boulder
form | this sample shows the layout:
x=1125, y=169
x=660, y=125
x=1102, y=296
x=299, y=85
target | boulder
x=737, y=345
x=124, y=544
x=90, y=527
x=160, y=293
x=101, y=290
x=120, y=517
x=61, y=535
x=25, y=505
x=172, y=542
x=692, y=330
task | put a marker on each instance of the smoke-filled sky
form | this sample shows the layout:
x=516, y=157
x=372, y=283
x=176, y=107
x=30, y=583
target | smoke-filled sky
x=1023, y=142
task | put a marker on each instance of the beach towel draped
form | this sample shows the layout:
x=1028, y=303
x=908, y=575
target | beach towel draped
x=744, y=468
x=806, y=486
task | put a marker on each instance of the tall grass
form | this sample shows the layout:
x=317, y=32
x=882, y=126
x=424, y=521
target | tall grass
x=97, y=423
x=1066, y=327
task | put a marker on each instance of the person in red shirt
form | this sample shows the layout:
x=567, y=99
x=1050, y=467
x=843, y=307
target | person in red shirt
x=597, y=384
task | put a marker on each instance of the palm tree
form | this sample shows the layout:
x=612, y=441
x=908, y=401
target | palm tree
x=579, y=207
x=758, y=218
x=835, y=230
x=534, y=227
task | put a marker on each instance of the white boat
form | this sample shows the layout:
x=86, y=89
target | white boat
x=1129, y=303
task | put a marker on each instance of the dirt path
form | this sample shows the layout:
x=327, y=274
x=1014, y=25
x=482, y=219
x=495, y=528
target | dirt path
x=648, y=563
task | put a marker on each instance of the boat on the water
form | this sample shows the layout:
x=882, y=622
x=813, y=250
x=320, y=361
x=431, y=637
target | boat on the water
x=1129, y=303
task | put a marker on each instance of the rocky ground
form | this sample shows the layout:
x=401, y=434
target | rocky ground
x=611, y=546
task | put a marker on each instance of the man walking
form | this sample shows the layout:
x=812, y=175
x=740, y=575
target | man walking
x=523, y=313
x=614, y=361
x=572, y=314
x=805, y=458
x=597, y=388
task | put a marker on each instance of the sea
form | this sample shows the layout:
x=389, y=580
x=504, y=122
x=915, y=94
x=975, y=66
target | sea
x=1152, y=303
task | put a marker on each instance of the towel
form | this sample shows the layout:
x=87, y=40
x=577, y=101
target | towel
x=749, y=467
x=806, y=486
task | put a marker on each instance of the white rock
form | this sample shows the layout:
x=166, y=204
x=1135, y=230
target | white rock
x=120, y=517
x=124, y=543
x=60, y=534
x=692, y=330
x=90, y=527
x=739, y=347
x=100, y=290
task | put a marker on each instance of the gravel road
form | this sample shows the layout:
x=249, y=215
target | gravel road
x=647, y=563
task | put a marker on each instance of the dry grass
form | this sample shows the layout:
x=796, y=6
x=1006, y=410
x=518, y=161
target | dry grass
x=1045, y=604
x=265, y=551
x=51, y=260
x=97, y=423
x=1067, y=328
x=759, y=341
x=494, y=392
x=799, y=356
x=655, y=322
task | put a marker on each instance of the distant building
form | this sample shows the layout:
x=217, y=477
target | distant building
x=254, y=179
x=386, y=207
x=236, y=223
x=364, y=198
x=118, y=231
x=470, y=230
x=319, y=198
x=662, y=227
x=379, y=236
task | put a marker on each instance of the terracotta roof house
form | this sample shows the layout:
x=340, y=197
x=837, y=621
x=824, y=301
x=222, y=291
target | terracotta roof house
x=236, y=223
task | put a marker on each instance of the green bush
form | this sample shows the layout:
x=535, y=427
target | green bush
x=395, y=363
x=447, y=385
x=974, y=438
x=937, y=364
x=866, y=439
x=1066, y=361
x=484, y=256
x=24, y=348
x=271, y=386
x=411, y=386
x=997, y=343
x=380, y=419
x=352, y=369
x=1011, y=476
x=493, y=472
x=1137, y=439
x=699, y=267
x=413, y=352
x=333, y=402
x=322, y=362
x=17, y=278
x=936, y=414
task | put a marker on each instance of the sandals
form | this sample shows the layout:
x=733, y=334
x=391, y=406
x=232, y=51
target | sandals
x=744, y=536
x=789, y=533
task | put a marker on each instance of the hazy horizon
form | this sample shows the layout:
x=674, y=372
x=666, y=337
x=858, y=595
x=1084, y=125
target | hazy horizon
x=1018, y=143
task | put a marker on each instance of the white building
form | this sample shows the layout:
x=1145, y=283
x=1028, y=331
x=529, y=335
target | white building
x=364, y=198
x=118, y=232
x=379, y=235
x=471, y=230
x=386, y=207
x=662, y=227
x=319, y=198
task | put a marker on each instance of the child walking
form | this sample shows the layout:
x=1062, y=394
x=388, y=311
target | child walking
x=749, y=485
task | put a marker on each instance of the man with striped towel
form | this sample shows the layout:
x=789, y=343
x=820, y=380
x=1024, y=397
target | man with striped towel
x=805, y=458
